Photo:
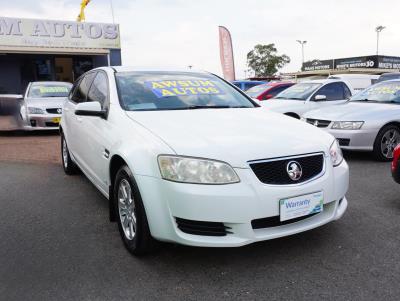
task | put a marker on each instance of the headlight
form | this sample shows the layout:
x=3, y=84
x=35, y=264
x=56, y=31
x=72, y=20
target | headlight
x=196, y=171
x=347, y=125
x=33, y=110
x=336, y=153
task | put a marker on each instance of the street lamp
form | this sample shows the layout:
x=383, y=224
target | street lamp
x=302, y=49
x=378, y=30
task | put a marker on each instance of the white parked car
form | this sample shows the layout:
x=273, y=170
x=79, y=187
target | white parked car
x=309, y=95
x=184, y=157
x=42, y=103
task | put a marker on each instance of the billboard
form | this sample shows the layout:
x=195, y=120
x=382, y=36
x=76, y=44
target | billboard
x=226, y=54
x=318, y=65
x=47, y=33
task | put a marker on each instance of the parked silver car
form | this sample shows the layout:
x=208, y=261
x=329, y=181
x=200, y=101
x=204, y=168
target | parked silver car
x=370, y=121
x=42, y=105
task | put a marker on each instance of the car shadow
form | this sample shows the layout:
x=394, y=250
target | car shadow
x=22, y=133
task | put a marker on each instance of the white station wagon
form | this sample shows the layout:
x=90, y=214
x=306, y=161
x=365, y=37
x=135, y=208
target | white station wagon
x=185, y=157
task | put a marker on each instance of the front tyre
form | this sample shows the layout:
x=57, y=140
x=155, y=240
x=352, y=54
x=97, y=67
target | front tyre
x=386, y=141
x=69, y=166
x=131, y=215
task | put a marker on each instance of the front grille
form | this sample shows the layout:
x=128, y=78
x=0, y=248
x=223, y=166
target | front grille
x=53, y=111
x=52, y=124
x=274, y=221
x=275, y=172
x=343, y=141
x=202, y=228
x=319, y=123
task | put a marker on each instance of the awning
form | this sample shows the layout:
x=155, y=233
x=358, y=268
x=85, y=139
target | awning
x=54, y=50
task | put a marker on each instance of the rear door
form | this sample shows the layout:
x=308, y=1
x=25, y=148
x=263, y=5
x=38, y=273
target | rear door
x=73, y=123
x=96, y=133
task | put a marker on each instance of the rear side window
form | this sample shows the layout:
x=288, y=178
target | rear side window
x=333, y=91
x=277, y=90
x=347, y=92
x=80, y=94
x=99, y=90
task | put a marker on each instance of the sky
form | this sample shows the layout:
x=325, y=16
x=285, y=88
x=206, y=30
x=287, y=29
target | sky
x=179, y=33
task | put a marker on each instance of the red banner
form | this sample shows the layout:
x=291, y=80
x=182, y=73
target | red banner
x=226, y=54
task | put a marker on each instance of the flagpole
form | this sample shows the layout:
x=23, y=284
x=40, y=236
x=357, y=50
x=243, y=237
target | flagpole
x=112, y=11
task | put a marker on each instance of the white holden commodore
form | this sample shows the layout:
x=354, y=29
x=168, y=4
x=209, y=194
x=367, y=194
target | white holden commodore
x=185, y=157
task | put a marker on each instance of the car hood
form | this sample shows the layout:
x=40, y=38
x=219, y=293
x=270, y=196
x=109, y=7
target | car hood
x=45, y=102
x=354, y=111
x=282, y=105
x=233, y=135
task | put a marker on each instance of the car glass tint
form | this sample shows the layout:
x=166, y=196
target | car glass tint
x=41, y=90
x=277, y=90
x=347, y=92
x=333, y=91
x=257, y=90
x=140, y=91
x=381, y=92
x=81, y=92
x=300, y=91
x=99, y=89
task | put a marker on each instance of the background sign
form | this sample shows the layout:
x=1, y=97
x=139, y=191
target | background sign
x=318, y=65
x=357, y=62
x=48, y=33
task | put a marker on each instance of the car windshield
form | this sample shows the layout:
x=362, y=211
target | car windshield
x=257, y=90
x=299, y=91
x=385, y=92
x=41, y=90
x=152, y=91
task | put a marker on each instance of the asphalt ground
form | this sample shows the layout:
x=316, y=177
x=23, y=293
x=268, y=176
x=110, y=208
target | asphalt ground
x=56, y=244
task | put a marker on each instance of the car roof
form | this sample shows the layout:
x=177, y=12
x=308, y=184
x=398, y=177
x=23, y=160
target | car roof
x=322, y=81
x=50, y=82
x=153, y=69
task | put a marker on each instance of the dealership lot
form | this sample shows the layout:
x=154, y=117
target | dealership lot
x=57, y=243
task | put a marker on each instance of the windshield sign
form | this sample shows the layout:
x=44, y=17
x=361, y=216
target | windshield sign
x=144, y=91
x=169, y=88
x=50, y=90
x=381, y=92
x=299, y=91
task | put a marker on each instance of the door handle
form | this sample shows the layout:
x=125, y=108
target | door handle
x=79, y=119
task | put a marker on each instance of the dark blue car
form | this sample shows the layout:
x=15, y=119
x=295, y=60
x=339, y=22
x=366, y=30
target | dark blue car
x=244, y=85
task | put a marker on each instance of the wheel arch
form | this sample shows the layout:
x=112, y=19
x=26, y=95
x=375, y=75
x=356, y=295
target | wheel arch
x=116, y=162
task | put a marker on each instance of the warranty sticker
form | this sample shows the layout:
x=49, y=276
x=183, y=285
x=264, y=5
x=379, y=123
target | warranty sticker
x=168, y=88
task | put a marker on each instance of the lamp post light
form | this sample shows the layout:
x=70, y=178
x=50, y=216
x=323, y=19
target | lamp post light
x=302, y=49
x=378, y=30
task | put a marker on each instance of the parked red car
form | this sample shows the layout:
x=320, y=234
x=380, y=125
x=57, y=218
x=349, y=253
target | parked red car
x=396, y=164
x=269, y=90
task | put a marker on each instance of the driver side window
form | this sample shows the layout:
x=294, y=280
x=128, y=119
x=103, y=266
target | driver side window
x=333, y=91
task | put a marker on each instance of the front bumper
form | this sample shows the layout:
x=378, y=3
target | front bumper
x=42, y=122
x=236, y=206
x=359, y=140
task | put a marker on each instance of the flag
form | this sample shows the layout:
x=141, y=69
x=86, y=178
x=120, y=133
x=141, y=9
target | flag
x=81, y=16
x=226, y=54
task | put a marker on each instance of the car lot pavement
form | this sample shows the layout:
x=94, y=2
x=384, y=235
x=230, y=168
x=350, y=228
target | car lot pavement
x=57, y=244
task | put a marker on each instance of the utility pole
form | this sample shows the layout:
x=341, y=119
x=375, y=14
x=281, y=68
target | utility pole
x=378, y=30
x=302, y=49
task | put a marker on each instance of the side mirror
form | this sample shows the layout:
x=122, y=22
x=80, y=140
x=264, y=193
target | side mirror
x=320, y=98
x=91, y=108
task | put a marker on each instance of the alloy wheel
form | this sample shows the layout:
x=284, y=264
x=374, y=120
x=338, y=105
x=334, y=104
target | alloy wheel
x=126, y=209
x=389, y=141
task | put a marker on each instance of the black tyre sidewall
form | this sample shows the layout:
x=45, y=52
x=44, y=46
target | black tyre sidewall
x=142, y=243
x=71, y=166
x=377, y=144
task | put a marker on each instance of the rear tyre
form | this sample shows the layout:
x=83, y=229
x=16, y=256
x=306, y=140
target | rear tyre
x=69, y=166
x=131, y=215
x=386, y=141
